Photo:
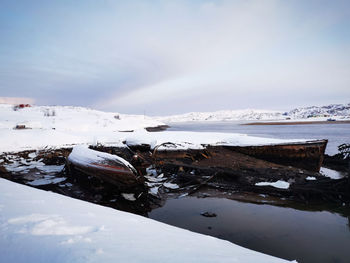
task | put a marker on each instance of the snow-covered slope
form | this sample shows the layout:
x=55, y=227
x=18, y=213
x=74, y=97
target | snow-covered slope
x=76, y=119
x=337, y=111
x=58, y=126
x=333, y=110
x=39, y=226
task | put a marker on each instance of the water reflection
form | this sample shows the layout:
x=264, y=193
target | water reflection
x=321, y=236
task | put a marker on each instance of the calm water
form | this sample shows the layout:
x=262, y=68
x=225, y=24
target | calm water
x=335, y=133
x=283, y=232
x=290, y=233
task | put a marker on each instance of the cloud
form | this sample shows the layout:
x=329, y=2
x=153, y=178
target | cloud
x=128, y=56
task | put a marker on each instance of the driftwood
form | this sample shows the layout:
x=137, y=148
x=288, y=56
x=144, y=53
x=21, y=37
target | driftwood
x=196, y=188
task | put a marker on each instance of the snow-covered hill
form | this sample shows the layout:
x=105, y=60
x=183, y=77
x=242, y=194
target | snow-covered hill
x=65, y=118
x=337, y=111
x=225, y=115
x=332, y=110
x=58, y=126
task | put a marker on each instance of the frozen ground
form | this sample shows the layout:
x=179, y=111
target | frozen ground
x=39, y=226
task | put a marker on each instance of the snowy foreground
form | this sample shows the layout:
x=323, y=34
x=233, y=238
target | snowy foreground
x=39, y=226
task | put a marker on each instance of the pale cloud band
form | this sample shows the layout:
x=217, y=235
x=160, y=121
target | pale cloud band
x=16, y=100
x=176, y=56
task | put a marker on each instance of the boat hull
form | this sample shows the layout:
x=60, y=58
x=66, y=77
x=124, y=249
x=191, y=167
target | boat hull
x=105, y=168
x=305, y=155
x=308, y=155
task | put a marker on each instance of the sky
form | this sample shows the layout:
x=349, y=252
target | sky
x=170, y=57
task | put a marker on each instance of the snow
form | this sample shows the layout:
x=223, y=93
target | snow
x=76, y=126
x=278, y=184
x=196, y=140
x=39, y=226
x=310, y=178
x=331, y=173
x=51, y=168
x=313, y=113
x=151, y=171
x=225, y=115
x=154, y=179
x=66, y=127
x=129, y=197
x=171, y=186
x=75, y=119
x=83, y=155
x=46, y=181
x=335, y=111
x=153, y=190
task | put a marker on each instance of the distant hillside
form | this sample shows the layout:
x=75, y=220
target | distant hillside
x=337, y=111
x=226, y=115
x=333, y=110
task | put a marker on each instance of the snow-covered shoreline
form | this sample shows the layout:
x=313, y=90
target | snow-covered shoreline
x=39, y=226
x=62, y=127
x=22, y=140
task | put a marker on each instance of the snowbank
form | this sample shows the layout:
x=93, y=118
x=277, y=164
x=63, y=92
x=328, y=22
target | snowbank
x=278, y=184
x=39, y=226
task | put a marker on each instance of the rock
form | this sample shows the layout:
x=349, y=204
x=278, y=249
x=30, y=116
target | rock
x=208, y=214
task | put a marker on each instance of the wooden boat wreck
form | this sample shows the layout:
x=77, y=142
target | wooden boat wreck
x=306, y=155
x=104, y=166
x=246, y=165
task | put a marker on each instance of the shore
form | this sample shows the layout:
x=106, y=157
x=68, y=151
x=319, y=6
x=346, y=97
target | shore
x=296, y=122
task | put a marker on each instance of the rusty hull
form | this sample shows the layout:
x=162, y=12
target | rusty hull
x=307, y=156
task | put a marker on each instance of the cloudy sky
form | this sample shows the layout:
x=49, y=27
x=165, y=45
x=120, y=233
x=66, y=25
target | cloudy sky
x=167, y=57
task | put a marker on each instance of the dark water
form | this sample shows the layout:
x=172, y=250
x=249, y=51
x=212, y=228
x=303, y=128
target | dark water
x=283, y=232
x=307, y=234
x=335, y=133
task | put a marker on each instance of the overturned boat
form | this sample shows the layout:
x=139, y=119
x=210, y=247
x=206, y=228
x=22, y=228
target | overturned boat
x=107, y=167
